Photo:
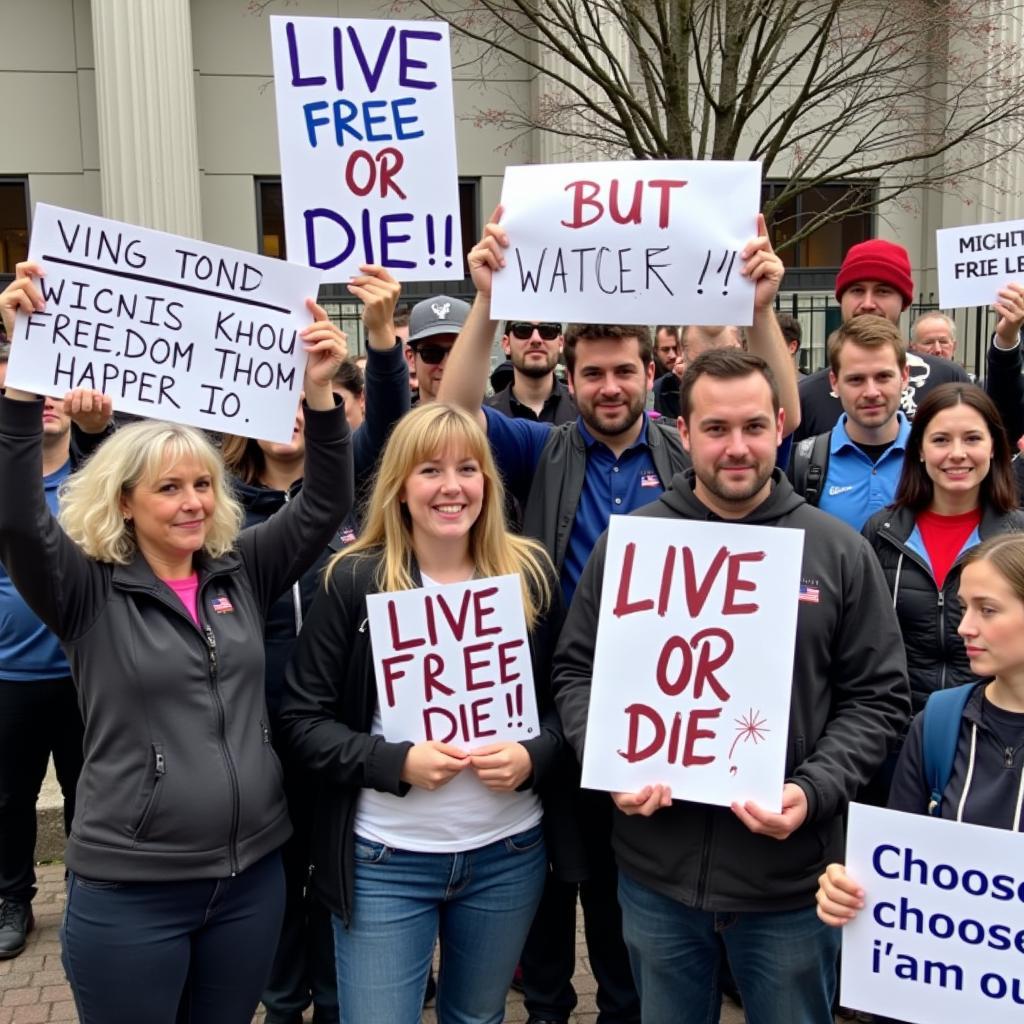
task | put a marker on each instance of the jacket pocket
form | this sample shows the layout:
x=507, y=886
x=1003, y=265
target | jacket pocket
x=151, y=793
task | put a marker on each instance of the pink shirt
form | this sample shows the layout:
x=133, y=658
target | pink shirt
x=187, y=590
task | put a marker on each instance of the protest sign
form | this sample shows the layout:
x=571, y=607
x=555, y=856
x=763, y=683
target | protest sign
x=629, y=242
x=366, y=129
x=453, y=663
x=975, y=262
x=941, y=938
x=694, y=660
x=169, y=327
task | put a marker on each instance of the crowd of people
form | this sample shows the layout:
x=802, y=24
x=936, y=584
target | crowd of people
x=185, y=630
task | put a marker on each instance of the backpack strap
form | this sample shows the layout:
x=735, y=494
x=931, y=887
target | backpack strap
x=941, y=727
x=808, y=466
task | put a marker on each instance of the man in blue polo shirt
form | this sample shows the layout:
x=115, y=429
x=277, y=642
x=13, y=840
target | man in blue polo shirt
x=868, y=372
x=611, y=460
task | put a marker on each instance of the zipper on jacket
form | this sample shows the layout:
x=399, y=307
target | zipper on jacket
x=211, y=649
x=296, y=592
x=705, y=857
x=942, y=637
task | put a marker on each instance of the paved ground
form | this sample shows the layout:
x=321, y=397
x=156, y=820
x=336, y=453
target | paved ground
x=33, y=989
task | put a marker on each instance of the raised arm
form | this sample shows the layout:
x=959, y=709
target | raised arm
x=762, y=265
x=387, y=373
x=469, y=364
x=280, y=550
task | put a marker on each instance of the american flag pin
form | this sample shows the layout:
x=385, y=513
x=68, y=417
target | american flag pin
x=221, y=605
x=809, y=594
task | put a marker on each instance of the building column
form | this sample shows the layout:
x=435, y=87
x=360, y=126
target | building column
x=145, y=95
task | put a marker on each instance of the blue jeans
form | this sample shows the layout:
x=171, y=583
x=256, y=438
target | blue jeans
x=784, y=963
x=479, y=902
x=129, y=947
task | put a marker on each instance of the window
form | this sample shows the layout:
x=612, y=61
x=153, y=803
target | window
x=820, y=253
x=270, y=216
x=13, y=223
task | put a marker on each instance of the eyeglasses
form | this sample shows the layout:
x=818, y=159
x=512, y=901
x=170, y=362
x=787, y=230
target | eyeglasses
x=433, y=355
x=524, y=331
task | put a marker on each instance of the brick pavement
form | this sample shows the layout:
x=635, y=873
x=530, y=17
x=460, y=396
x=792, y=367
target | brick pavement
x=33, y=989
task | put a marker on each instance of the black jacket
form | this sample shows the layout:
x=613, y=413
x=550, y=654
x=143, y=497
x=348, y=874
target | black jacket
x=928, y=617
x=559, y=407
x=330, y=698
x=849, y=701
x=557, y=483
x=180, y=780
x=984, y=765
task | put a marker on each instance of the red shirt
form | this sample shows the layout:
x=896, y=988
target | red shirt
x=944, y=538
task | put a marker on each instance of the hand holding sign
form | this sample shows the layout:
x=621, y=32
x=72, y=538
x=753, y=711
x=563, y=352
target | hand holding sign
x=839, y=897
x=432, y=764
x=488, y=255
x=776, y=826
x=502, y=766
x=326, y=347
x=378, y=291
x=761, y=265
x=90, y=411
x=645, y=802
x=22, y=294
x=1009, y=306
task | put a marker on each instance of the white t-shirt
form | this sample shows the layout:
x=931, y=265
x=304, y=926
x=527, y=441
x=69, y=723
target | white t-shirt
x=462, y=815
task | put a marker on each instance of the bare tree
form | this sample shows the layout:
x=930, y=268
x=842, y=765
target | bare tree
x=889, y=96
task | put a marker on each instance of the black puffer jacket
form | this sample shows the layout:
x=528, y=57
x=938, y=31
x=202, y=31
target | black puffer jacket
x=928, y=616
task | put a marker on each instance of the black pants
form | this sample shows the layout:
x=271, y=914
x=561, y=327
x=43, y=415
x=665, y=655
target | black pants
x=133, y=950
x=549, y=956
x=303, y=970
x=36, y=719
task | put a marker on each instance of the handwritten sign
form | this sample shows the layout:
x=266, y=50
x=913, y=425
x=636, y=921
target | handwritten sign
x=631, y=242
x=941, y=939
x=366, y=128
x=169, y=327
x=694, y=660
x=975, y=262
x=453, y=663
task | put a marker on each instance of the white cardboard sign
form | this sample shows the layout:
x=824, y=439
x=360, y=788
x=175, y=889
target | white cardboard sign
x=976, y=261
x=693, y=664
x=629, y=242
x=941, y=939
x=169, y=327
x=453, y=663
x=366, y=130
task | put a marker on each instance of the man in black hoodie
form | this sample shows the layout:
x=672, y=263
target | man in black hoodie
x=692, y=874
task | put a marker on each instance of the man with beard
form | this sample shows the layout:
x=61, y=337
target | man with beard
x=534, y=393
x=570, y=479
x=666, y=349
x=692, y=877
x=852, y=471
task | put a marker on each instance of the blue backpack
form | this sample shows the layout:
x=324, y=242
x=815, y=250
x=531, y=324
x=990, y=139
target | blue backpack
x=942, y=716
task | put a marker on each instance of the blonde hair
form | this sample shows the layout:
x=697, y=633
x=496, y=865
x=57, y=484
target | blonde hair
x=90, y=502
x=418, y=437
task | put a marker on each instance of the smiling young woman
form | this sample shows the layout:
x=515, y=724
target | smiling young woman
x=956, y=490
x=398, y=821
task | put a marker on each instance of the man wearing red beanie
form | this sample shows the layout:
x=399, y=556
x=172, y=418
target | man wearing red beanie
x=875, y=279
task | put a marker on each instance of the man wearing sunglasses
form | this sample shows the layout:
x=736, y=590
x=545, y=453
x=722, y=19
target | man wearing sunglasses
x=534, y=393
x=434, y=324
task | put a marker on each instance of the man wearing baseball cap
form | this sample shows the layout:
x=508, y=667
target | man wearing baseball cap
x=434, y=324
x=875, y=279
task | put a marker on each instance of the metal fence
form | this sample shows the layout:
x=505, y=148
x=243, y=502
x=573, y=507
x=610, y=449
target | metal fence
x=819, y=315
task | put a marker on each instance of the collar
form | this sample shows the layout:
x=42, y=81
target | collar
x=138, y=575
x=589, y=440
x=841, y=439
x=557, y=391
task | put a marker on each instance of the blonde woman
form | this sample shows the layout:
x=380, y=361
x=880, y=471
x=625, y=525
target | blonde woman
x=420, y=840
x=159, y=602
